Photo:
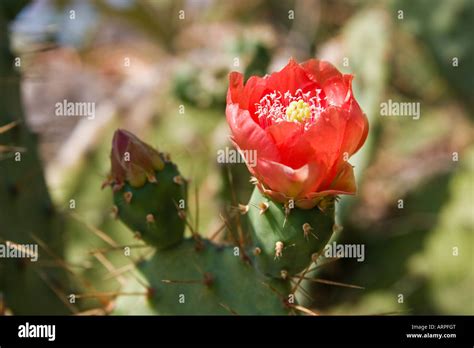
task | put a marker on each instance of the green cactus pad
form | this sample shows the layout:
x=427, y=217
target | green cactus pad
x=281, y=245
x=210, y=280
x=152, y=210
x=27, y=214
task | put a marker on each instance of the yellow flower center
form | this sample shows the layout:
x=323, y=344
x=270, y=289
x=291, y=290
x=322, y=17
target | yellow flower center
x=298, y=111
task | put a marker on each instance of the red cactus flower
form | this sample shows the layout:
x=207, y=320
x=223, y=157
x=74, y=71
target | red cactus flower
x=303, y=123
x=132, y=161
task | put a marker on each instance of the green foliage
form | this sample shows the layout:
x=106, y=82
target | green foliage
x=207, y=87
x=445, y=27
x=449, y=247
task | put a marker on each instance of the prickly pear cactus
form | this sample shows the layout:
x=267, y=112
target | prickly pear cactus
x=287, y=238
x=195, y=275
x=145, y=209
x=210, y=279
x=149, y=191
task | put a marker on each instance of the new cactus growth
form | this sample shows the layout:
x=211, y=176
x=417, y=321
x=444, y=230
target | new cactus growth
x=287, y=238
x=149, y=191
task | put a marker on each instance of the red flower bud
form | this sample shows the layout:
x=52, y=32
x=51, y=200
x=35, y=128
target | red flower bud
x=132, y=161
x=303, y=124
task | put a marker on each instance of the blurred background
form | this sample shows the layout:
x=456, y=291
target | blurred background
x=159, y=69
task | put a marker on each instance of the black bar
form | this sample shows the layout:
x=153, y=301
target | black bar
x=328, y=330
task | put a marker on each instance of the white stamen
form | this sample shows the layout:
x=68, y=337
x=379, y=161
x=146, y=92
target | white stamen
x=272, y=107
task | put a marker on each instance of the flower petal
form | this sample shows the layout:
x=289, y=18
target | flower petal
x=335, y=85
x=321, y=71
x=325, y=136
x=291, y=182
x=236, y=86
x=344, y=184
x=337, y=135
x=292, y=162
x=291, y=78
x=357, y=129
x=344, y=181
x=293, y=148
x=248, y=135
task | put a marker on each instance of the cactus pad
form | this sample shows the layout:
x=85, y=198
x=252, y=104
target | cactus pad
x=285, y=240
x=153, y=210
x=211, y=280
